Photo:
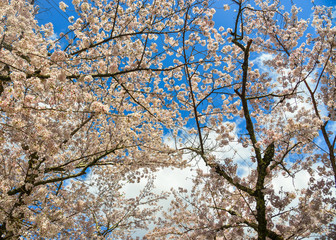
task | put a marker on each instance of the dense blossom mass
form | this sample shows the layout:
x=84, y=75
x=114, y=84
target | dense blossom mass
x=133, y=86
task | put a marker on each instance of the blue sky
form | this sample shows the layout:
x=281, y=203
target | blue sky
x=49, y=12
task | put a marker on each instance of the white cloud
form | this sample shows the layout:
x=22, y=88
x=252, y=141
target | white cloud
x=287, y=183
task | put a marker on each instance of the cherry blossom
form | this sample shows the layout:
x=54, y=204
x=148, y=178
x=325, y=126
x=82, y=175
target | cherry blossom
x=63, y=6
x=282, y=115
x=89, y=112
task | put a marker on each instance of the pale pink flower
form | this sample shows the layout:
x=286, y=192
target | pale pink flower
x=63, y=6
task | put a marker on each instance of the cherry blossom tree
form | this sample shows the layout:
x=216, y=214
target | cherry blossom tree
x=274, y=97
x=86, y=113
x=88, y=103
